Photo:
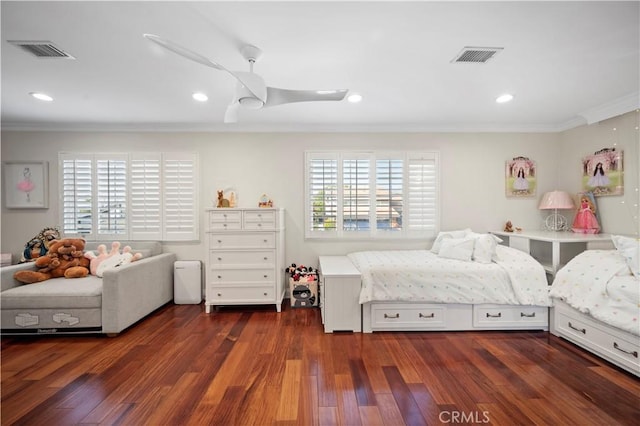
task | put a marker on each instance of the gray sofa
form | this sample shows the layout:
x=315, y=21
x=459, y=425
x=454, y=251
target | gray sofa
x=88, y=305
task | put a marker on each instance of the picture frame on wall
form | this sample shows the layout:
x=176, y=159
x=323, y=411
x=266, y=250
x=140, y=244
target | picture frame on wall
x=603, y=172
x=520, y=177
x=26, y=184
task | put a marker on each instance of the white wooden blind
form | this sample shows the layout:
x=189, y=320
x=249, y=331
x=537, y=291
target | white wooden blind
x=142, y=196
x=381, y=194
x=179, y=189
x=322, y=193
x=423, y=193
x=110, y=205
x=76, y=177
x=145, y=196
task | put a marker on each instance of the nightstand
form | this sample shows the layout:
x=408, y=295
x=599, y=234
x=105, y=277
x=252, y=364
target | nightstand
x=339, y=294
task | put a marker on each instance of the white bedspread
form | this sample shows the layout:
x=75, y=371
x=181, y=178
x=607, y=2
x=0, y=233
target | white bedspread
x=422, y=276
x=599, y=283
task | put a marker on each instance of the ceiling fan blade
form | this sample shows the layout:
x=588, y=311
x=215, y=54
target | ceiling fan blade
x=183, y=51
x=231, y=115
x=277, y=96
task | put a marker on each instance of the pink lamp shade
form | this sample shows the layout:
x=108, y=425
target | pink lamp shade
x=556, y=200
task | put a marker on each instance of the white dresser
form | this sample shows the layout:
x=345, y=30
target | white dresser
x=245, y=262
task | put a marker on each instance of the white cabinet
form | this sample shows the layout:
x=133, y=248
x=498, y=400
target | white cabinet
x=553, y=249
x=245, y=260
x=339, y=294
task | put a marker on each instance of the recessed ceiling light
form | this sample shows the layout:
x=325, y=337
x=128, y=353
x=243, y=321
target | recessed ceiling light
x=200, y=97
x=354, y=98
x=504, y=98
x=41, y=96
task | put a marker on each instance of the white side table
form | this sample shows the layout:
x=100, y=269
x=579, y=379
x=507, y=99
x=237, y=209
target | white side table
x=553, y=249
x=339, y=294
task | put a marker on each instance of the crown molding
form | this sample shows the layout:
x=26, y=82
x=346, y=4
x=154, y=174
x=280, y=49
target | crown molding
x=611, y=109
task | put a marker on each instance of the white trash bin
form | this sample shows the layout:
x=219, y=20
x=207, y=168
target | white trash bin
x=187, y=282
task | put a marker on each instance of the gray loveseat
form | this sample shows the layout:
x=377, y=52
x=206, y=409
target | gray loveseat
x=89, y=305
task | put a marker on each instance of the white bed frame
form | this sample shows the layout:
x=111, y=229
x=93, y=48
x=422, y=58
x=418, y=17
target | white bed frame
x=408, y=316
x=614, y=345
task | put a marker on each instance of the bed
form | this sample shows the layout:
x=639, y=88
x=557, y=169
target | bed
x=596, y=303
x=465, y=282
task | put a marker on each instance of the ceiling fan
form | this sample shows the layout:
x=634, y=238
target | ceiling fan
x=251, y=90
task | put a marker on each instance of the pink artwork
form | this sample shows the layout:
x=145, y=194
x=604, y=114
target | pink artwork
x=602, y=172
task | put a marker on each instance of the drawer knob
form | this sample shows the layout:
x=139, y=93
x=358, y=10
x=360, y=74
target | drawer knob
x=219, y=276
x=396, y=315
x=219, y=241
x=219, y=294
x=224, y=225
x=265, y=276
x=265, y=241
x=265, y=294
x=498, y=315
x=219, y=258
x=266, y=258
x=431, y=315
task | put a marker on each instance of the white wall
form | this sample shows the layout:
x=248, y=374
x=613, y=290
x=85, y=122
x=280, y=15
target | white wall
x=473, y=188
x=618, y=214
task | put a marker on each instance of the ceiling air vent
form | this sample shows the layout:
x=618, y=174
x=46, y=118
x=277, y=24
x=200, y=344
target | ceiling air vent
x=41, y=49
x=478, y=55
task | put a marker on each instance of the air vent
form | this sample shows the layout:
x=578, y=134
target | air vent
x=41, y=49
x=478, y=55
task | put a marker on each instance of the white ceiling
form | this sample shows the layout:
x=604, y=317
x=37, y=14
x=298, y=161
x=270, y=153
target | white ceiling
x=566, y=63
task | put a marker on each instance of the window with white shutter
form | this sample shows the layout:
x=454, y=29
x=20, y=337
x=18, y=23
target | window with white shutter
x=142, y=196
x=179, y=197
x=382, y=194
x=145, y=195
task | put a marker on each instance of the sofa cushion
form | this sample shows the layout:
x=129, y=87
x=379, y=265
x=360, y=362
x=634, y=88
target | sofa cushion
x=55, y=293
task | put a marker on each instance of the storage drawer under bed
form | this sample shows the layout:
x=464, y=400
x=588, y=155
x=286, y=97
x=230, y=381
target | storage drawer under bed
x=510, y=316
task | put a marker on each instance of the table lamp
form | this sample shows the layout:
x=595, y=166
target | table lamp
x=556, y=200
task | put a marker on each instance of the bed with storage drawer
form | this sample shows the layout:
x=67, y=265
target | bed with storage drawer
x=596, y=303
x=465, y=282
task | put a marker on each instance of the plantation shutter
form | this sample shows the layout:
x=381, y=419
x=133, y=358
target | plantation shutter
x=389, y=194
x=322, y=193
x=179, y=197
x=145, y=217
x=76, y=196
x=423, y=193
x=356, y=194
x=111, y=196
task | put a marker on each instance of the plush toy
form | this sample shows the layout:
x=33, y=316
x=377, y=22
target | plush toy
x=39, y=245
x=222, y=202
x=65, y=258
x=113, y=259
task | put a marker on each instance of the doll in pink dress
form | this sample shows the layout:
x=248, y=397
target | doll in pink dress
x=26, y=185
x=586, y=221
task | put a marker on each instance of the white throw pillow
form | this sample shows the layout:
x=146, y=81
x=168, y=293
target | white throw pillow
x=457, y=248
x=435, y=248
x=484, y=249
x=629, y=248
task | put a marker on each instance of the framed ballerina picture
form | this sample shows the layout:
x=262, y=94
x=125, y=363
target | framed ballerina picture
x=602, y=172
x=520, y=177
x=26, y=184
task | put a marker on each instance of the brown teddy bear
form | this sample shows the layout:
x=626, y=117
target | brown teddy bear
x=65, y=258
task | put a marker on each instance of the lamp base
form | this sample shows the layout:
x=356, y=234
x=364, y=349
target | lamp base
x=555, y=222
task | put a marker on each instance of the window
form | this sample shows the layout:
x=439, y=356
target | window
x=143, y=196
x=371, y=194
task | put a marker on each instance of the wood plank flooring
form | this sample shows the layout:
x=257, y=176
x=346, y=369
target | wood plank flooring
x=253, y=366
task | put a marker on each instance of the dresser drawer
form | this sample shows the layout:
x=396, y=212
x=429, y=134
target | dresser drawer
x=259, y=220
x=236, y=295
x=408, y=316
x=241, y=240
x=225, y=226
x=224, y=216
x=510, y=316
x=257, y=258
x=255, y=276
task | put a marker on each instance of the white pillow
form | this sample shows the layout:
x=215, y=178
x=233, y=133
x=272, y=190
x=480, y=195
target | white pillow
x=629, y=248
x=457, y=248
x=484, y=249
x=435, y=248
x=112, y=262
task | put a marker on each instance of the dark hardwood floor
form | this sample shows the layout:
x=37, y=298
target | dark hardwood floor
x=253, y=366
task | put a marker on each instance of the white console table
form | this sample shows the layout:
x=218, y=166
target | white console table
x=554, y=249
